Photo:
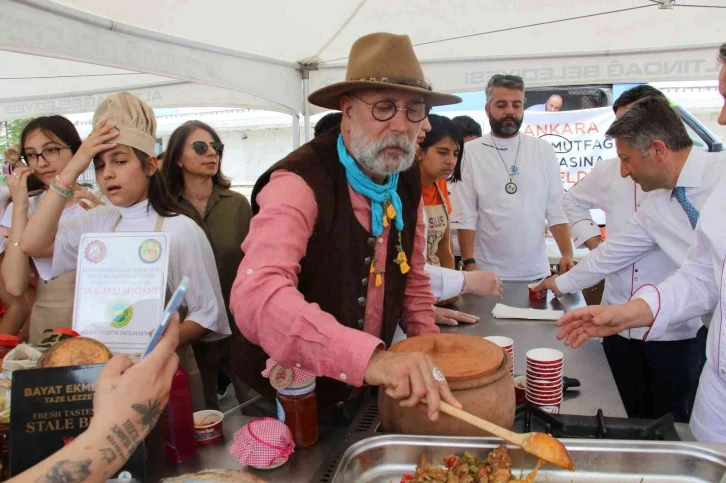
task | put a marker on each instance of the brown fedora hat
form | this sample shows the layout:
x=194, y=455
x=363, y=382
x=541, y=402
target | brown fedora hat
x=385, y=61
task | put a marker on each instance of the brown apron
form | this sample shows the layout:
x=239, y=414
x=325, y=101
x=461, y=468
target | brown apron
x=185, y=353
x=53, y=306
x=437, y=219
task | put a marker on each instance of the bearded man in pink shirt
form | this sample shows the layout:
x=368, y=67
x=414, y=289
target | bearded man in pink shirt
x=334, y=258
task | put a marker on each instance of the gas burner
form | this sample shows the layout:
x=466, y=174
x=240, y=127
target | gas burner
x=599, y=426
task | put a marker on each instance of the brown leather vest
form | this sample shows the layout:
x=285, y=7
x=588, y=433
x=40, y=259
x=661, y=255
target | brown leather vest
x=335, y=270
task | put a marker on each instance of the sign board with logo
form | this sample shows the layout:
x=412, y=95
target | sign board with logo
x=578, y=138
x=49, y=408
x=121, y=288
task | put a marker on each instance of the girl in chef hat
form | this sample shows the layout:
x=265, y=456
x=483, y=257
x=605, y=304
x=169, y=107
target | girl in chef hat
x=121, y=147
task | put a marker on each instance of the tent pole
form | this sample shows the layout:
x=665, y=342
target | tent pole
x=295, y=130
x=306, y=92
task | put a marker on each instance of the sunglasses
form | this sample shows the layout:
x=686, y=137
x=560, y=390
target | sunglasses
x=201, y=147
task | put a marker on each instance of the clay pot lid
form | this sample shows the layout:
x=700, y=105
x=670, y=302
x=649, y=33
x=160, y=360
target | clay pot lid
x=460, y=357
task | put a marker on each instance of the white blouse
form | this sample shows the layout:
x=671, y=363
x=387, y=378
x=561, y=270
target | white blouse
x=190, y=254
x=42, y=265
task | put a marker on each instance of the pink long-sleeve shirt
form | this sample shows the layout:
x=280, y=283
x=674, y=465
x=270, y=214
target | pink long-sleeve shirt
x=271, y=312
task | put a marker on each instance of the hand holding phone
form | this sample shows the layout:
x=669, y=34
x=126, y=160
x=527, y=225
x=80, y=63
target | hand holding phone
x=171, y=307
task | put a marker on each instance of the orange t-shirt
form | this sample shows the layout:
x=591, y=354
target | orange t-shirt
x=431, y=194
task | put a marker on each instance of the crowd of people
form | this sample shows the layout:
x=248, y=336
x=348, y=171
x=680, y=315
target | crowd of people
x=382, y=221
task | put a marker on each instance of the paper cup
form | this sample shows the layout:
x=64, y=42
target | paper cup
x=536, y=296
x=504, y=342
x=545, y=357
x=554, y=377
x=540, y=385
x=208, y=426
x=540, y=368
x=543, y=399
x=544, y=393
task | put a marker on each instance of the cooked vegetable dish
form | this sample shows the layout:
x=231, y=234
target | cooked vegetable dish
x=494, y=468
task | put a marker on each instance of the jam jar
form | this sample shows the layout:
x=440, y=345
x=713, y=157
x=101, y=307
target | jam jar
x=297, y=407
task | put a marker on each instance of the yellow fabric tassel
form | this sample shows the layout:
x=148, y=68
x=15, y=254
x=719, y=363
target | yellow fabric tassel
x=405, y=268
x=385, y=221
x=390, y=211
x=379, y=280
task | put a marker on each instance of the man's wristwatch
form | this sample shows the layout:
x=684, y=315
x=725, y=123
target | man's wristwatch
x=468, y=261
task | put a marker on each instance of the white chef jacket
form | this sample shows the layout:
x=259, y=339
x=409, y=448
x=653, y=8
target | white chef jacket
x=190, y=254
x=660, y=221
x=445, y=283
x=510, y=229
x=695, y=289
x=603, y=188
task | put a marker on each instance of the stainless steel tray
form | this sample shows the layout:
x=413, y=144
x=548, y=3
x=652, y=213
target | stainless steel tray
x=382, y=459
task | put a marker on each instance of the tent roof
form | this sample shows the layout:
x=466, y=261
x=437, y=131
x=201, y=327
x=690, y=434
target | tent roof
x=247, y=54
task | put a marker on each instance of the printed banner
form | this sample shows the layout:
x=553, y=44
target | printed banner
x=577, y=136
x=121, y=288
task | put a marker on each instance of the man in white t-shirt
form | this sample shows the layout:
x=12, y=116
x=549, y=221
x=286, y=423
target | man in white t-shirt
x=510, y=190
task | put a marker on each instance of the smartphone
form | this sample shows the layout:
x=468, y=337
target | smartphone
x=8, y=169
x=171, y=307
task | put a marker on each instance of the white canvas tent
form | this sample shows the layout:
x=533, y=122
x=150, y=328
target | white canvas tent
x=66, y=56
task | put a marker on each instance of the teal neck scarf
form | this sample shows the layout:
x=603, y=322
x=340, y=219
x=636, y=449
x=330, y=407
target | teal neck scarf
x=379, y=194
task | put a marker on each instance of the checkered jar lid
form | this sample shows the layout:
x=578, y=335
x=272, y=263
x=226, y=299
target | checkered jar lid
x=263, y=443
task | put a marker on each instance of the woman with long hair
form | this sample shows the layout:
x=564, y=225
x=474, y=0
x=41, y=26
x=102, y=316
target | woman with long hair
x=193, y=172
x=47, y=145
x=121, y=147
x=437, y=157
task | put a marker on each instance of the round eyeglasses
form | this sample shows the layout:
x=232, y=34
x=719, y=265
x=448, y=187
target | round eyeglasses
x=386, y=110
x=51, y=155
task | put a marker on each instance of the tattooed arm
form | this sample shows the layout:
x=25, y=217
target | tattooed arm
x=128, y=401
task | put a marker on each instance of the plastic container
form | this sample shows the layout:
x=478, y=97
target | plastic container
x=297, y=407
x=180, y=441
x=208, y=426
x=7, y=343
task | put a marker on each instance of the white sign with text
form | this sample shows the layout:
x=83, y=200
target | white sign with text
x=121, y=288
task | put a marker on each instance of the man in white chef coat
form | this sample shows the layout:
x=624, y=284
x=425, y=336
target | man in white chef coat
x=510, y=184
x=696, y=289
x=654, y=377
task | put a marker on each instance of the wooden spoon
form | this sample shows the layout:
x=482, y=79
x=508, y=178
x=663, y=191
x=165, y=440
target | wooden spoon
x=541, y=445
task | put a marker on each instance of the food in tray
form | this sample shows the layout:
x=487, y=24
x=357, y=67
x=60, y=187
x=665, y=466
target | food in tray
x=495, y=468
x=75, y=352
x=216, y=476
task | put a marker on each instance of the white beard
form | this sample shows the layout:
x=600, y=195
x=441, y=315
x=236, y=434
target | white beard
x=369, y=153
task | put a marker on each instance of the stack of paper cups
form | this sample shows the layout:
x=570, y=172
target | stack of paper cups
x=544, y=379
x=507, y=344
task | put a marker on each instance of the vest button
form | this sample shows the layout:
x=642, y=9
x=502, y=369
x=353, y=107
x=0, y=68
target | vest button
x=367, y=261
x=364, y=282
x=371, y=242
x=361, y=323
x=362, y=301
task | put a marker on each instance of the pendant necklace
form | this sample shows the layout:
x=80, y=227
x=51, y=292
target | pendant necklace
x=510, y=187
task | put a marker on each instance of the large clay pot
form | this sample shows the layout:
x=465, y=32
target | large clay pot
x=478, y=374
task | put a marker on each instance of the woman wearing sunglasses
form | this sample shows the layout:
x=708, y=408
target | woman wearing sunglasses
x=121, y=147
x=192, y=169
x=47, y=145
